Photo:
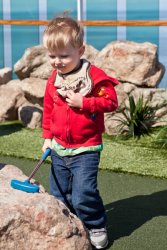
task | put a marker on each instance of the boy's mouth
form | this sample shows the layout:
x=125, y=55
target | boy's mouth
x=60, y=66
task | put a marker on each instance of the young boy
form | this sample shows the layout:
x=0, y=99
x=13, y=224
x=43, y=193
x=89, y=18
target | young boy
x=76, y=97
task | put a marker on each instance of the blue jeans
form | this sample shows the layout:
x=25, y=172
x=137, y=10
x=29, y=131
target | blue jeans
x=73, y=180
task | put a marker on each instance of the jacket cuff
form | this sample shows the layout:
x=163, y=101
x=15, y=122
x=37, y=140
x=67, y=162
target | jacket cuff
x=47, y=134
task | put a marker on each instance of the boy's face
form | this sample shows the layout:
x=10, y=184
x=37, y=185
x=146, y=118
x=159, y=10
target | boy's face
x=67, y=59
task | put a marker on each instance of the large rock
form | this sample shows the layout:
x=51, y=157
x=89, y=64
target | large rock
x=90, y=53
x=5, y=75
x=136, y=63
x=36, y=221
x=10, y=100
x=30, y=115
x=23, y=100
x=33, y=89
x=32, y=59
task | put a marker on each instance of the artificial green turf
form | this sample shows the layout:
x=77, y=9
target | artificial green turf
x=136, y=206
x=141, y=157
x=136, y=210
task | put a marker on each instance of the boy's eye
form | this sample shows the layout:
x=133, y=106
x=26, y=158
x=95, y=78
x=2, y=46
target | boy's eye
x=51, y=56
x=61, y=56
x=64, y=56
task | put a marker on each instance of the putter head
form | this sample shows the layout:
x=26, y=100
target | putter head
x=25, y=186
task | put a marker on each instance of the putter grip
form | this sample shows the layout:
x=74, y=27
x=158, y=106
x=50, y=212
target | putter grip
x=46, y=154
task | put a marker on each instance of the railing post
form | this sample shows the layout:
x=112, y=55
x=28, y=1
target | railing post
x=80, y=10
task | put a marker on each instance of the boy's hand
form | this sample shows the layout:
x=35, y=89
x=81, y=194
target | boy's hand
x=74, y=99
x=47, y=144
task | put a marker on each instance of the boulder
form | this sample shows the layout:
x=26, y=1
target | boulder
x=90, y=53
x=5, y=75
x=132, y=62
x=33, y=89
x=23, y=100
x=36, y=221
x=30, y=115
x=32, y=59
x=10, y=100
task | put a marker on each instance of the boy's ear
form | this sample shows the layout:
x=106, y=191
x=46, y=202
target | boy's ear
x=81, y=50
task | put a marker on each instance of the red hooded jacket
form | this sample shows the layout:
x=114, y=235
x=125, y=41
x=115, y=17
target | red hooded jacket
x=74, y=127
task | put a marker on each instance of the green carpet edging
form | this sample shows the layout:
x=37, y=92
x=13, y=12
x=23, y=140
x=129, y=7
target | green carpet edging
x=134, y=160
x=140, y=172
x=135, y=157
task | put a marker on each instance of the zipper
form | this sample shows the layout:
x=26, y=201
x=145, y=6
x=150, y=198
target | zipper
x=68, y=125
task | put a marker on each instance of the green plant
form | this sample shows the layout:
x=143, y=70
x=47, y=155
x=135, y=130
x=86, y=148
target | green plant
x=137, y=118
x=161, y=137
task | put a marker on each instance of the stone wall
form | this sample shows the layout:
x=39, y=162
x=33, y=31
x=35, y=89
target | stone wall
x=135, y=65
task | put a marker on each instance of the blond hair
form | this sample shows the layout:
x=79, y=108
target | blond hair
x=62, y=31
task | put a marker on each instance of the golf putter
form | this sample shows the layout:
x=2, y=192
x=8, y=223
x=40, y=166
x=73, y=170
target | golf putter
x=26, y=186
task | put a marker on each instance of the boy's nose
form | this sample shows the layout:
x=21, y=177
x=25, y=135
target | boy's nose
x=57, y=60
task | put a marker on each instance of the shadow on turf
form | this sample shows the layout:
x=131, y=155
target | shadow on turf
x=2, y=165
x=125, y=216
x=7, y=129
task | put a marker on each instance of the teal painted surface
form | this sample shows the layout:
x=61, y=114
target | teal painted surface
x=57, y=7
x=1, y=39
x=101, y=10
x=28, y=36
x=143, y=10
x=23, y=36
